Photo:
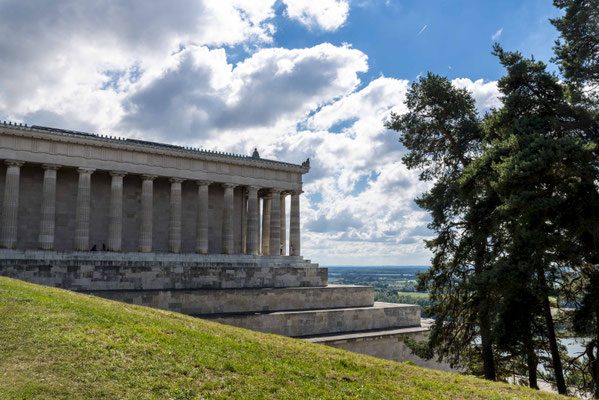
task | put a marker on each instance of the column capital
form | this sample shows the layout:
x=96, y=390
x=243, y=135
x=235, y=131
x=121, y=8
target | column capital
x=296, y=192
x=52, y=167
x=276, y=191
x=14, y=163
x=203, y=183
x=146, y=177
x=248, y=187
x=229, y=185
x=85, y=170
x=117, y=173
x=176, y=180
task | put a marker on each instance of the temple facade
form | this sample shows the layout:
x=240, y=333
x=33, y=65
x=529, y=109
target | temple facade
x=181, y=229
x=73, y=191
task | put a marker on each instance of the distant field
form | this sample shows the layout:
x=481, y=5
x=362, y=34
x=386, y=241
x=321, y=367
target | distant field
x=418, y=295
x=401, y=278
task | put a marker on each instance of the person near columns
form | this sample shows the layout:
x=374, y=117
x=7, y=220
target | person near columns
x=174, y=227
x=147, y=213
x=83, y=210
x=202, y=223
x=227, y=241
x=294, y=224
x=48, y=214
x=10, y=205
x=115, y=218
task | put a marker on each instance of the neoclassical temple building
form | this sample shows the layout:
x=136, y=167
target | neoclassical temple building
x=72, y=191
x=192, y=231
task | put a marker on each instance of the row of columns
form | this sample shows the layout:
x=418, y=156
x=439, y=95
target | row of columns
x=273, y=222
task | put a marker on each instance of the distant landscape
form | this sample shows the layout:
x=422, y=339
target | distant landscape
x=393, y=284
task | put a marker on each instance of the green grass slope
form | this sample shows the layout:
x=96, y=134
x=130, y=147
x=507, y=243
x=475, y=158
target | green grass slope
x=56, y=344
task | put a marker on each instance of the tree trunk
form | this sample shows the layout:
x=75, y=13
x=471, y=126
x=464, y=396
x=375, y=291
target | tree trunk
x=487, y=347
x=483, y=317
x=594, y=360
x=557, y=362
x=532, y=361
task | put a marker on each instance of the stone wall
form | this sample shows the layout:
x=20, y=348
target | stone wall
x=388, y=345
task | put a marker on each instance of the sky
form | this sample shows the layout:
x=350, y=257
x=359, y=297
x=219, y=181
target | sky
x=295, y=78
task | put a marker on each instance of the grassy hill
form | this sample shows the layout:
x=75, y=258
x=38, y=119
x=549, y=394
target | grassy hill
x=58, y=344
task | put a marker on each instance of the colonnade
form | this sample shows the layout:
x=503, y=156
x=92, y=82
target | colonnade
x=273, y=214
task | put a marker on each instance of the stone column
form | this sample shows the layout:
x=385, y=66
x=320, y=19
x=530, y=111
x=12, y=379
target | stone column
x=253, y=225
x=147, y=213
x=266, y=204
x=244, y=221
x=48, y=215
x=10, y=205
x=283, y=224
x=174, y=226
x=202, y=224
x=294, y=225
x=275, y=223
x=115, y=218
x=258, y=202
x=82, y=213
x=227, y=240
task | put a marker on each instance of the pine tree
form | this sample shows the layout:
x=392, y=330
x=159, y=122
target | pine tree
x=443, y=134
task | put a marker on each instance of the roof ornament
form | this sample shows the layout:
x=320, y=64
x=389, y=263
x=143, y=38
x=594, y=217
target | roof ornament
x=255, y=154
x=306, y=164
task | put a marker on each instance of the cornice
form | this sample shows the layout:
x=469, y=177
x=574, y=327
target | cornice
x=103, y=141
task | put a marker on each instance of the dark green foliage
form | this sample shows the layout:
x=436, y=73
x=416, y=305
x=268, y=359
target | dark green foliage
x=515, y=207
x=443, y=134
x=577, y=51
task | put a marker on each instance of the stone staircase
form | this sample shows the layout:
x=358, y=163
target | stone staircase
x=282, y=295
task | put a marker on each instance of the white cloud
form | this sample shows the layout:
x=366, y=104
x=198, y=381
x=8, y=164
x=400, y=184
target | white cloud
x=496, y=35
x=486, y=94
x=422, y=30
x=69, y=50
x=327, y=15
x=198, y=95
x=164, y=73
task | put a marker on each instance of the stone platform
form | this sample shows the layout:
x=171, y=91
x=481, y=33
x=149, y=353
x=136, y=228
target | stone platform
x=91, y=271
x=202, y=301
x=309, y=322
x=281, y=295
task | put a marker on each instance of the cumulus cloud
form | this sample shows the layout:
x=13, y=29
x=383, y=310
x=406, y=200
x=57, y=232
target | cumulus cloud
x=327, y=15
x=69, y=49
x=165, y=73
x=199, y=92
x=486, y=94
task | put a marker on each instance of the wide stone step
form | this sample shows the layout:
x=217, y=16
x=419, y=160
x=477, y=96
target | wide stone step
x=196, y=302
x=89, y=271
x=326, y=321
x=121, y=277
x=384, y=343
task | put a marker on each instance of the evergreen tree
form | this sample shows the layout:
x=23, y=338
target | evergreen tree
x=443, y=134
x=539, y=163
x=577, y=52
